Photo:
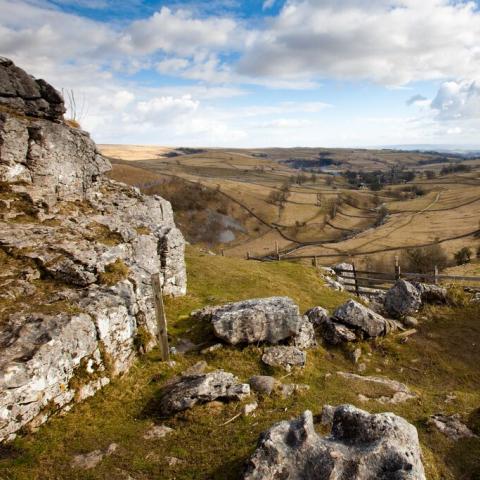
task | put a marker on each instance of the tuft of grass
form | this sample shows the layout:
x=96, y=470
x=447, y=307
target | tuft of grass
x=71, y=122
x=114, y=272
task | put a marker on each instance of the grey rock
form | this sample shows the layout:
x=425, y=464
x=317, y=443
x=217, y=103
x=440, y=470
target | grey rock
x=90, y=460
x=386, y=390
x=263, y=384
x=430, y=293
x=24, y=94
x=288, y=389
x=317, y=316
x=336, y=333
x=410, y=321
x=451, y=426
x=187, y=391
x=361, y=446
x=333, y=284
x=156, y=432
x=306, y=336
x=283, y=356
x=355, y=355
x=402, y=299
x=249, y=408
x=267, y=320
x=354, y=314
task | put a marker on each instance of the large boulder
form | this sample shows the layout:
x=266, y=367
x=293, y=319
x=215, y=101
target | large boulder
x=269, y=320
x=336, y=333
x=430, y=293
x=402, y=299
x=188, y=390
x=317, y=316
x=77, y=255
x=361, y=446
x=356, y=315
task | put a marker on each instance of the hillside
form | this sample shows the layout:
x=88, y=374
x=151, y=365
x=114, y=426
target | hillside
x=316, y=214
x=439, y=363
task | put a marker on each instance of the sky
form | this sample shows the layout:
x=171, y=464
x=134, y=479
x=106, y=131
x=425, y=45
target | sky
x=257, y=73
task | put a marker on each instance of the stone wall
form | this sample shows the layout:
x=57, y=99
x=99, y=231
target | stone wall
x=77, y=252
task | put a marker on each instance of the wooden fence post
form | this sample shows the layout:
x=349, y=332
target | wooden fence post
x=435, y=275
x=397, y=269
x=223, y=252
x=248, y=255
x=357, y=290
x=161, y=317
x=315, y=263
x=276, y=250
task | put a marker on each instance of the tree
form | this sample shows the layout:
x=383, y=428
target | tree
x=330, y=180
x=464, y=255
x=424, y=259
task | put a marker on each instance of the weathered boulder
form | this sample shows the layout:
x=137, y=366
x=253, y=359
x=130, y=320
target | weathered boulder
x=77, y=255
x=451, y=426
x=285, y=357
x=263, y=384
x=361, y=446
x=188, y=390
x=402, y=299
x=336, y=333
x=430, y=293
x=317, y=316
x=269, y=320
x=356, y=315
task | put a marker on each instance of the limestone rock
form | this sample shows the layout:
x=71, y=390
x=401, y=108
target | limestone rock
x=267, y=320
x=19, y=92
x=156, y=432
x=90, y=244
x=361, y=446
x=263, y=384
x=402, y=299
x=430, y=293
x=305, y=338
x=451, y=426
x=385, y=390
x=334, y=284
x=90, y=460
x=283, y=356
x=354, y=314
x=317, y=316
x=336, y=333
x=189, y=390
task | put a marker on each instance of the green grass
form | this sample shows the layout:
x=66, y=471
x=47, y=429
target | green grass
x=442, y=358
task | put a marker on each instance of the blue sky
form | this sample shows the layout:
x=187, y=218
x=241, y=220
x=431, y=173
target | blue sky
x=257, y=72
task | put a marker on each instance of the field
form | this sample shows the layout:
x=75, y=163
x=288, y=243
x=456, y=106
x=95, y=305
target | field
x=439, y=363
x=321, y=215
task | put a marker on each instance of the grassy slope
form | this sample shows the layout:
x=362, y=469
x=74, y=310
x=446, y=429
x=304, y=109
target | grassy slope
x=442, y=358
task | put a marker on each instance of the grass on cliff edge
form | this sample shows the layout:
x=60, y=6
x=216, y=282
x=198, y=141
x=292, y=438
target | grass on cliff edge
x=441, y=360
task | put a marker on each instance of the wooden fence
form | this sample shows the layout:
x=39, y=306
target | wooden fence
x=365, y=282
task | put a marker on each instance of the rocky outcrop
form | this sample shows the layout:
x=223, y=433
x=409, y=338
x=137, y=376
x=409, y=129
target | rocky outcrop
x=188, y=390
x=336, y=333
x=77, y=254
x=430, y=293
x=269, y=320
x=361, y=446
x=317, y=316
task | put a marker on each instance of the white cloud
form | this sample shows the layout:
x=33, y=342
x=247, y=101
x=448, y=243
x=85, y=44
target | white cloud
x=457, y=101
x=179, y=32
x=160, y=110
x=267, y=4
x=392, y=42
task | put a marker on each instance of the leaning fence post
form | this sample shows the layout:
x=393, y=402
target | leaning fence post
x=357, y=290
x=397, y=269
x=161, y=317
